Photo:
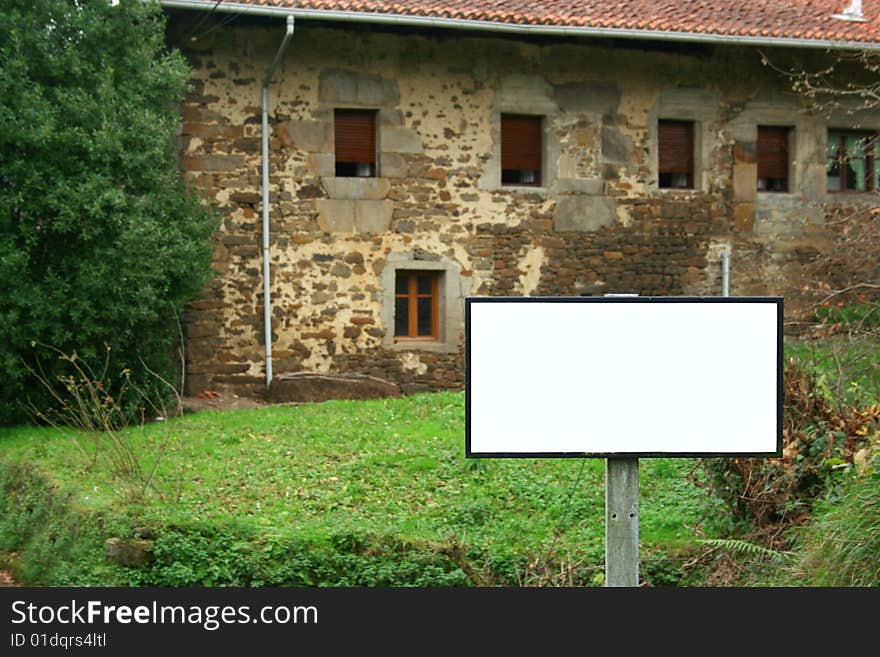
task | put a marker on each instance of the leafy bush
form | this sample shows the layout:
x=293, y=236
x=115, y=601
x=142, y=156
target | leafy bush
x=100, y=241
x=860, y=314
x=223, y=554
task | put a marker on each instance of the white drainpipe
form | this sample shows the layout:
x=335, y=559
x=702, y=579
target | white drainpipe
x=725, y=273
x=267, y=301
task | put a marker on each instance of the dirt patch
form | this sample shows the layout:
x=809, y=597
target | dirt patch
x=6, y=579
x=305, y=387
x=297, y=388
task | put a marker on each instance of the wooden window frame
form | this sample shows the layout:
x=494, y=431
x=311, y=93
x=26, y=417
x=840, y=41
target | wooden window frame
x=412, y=295
x=348, y=157
x=517, y=128
x=689, y=168
x=841, y=134
x=769, y=162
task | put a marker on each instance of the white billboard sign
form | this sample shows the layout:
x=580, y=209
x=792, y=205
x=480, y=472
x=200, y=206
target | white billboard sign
x=623, y=376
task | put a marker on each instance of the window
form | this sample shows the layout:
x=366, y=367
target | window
x=773, y=159
x=416, y=305
x=675, y=148
x=355, y=135
x=520, y=150
x=851, y=158
x=439, y=294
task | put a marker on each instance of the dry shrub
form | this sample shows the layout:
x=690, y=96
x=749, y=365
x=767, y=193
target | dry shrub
x=765, y=496
x=558, y=570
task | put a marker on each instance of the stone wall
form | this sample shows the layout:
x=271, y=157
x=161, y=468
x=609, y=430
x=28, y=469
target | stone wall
x=598, y=224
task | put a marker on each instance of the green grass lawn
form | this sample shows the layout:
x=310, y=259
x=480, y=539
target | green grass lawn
x=367, y=478
x=348, y=493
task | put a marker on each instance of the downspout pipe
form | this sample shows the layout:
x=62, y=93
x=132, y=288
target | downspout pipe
x=267, y=299
x=725, y=273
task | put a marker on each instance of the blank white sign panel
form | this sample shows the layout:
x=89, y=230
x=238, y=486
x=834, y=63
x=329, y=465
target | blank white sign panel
x=649, y=376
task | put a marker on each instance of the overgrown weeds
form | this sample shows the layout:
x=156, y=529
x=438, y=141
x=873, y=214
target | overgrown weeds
x=766, y=497
x=93, y=401
x=46, y=536
x=562, y=569
x=841, y=543
x=837, y=314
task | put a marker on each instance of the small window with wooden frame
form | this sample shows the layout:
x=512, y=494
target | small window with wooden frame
x=851, y=164
x=355, y=137
x=675, y=154
x=773, y=158
x=416, y=305
x=521, y=149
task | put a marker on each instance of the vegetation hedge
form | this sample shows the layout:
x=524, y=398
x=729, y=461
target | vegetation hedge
x=101, y=243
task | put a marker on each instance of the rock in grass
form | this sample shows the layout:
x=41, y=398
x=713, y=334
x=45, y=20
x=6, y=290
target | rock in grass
x=129, y=552
x=317, y=387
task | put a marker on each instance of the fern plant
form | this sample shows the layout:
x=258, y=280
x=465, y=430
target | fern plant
x=744, y=547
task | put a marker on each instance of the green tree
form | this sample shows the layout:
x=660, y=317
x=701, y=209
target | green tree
x=101, y=242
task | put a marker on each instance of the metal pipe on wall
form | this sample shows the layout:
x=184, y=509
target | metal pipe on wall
x=267, y=300
x=725, y=274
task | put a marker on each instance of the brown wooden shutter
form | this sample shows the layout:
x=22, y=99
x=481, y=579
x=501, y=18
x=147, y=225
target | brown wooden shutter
x=521, y=142
x=355, y=135
x=772, y=152
x=675, y=141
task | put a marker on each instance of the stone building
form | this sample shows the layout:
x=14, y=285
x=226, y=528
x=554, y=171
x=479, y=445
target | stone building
x=421, y=153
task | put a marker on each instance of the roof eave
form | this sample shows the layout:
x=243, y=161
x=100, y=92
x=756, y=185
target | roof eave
x=510, y=28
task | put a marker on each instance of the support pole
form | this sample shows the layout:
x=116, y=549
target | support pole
x=621, y=517
x=725, y=274
x=621, y=522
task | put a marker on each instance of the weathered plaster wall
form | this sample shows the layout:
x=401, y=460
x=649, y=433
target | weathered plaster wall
x=598, y=224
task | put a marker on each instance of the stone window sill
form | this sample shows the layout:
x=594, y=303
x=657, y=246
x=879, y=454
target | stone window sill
x=853, y=195
x=354, y=188
x=433, y=346
x=524, y=189
x=677, y=190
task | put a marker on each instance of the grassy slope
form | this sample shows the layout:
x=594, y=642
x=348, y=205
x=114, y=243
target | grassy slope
x=388, y=467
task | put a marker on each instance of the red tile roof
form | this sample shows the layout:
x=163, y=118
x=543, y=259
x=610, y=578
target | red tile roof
x=803, y=20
